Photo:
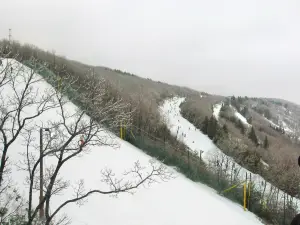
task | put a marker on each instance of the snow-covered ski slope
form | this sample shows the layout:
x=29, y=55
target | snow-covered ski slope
x=176, y=202
x=241, y=118
x=197, y=141
x=217, y=109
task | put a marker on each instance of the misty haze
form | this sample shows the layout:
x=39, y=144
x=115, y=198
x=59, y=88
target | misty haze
x=139, y=112
x=232, y=47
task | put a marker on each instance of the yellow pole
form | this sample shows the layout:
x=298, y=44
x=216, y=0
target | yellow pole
x=230, y=188
x=233, y=186
x=245, y=194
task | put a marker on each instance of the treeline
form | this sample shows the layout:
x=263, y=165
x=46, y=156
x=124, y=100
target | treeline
x=145, y=118
x=144, y=107
x=208, y=125
x=221, y=136
x=122, y=72
x=264, y=111
x=227, y=113
x=279, y=129
x=240, y=104
x=212, y=129
x=243, y=153
x=273, y=212
x=145, y=115
x=236, y=102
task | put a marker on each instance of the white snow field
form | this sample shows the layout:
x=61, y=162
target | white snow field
x=176, y=202
x=242, y=118
x=217, y=109
x=197, y=141
x=216, y=112
x=286, y=128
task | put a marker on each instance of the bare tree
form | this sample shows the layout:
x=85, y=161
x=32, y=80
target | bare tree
x=74, y=132
x=20, y=103
x=11, y=202
x=285, y=174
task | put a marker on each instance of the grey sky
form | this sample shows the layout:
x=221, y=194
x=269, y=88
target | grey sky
x=241, y=47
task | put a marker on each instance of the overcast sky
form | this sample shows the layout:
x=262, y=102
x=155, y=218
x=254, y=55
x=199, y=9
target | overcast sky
x=241, y=47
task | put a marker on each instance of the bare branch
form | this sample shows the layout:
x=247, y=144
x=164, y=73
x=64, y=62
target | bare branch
x=24, y=98
x=158, y=173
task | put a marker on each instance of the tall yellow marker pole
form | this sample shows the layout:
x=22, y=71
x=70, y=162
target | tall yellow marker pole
x=245, y=195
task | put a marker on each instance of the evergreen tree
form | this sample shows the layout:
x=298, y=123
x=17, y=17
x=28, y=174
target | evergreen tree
x=267, y=114
x=249, y=120
x=217, y=136
x=225, y=129
x=227, y=102
x=252, y=136
x=240, y=99
x=242, y=128
x=223, y=108
x=204, y=125
x=220, y=133
x=212, y=127
x=245, y=111
x=266, y=143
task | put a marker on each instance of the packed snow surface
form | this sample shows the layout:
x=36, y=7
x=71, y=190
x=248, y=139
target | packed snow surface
x=242, y=118
x=176, y=202
x=216, y=110
x=272, y=123
x=286, y=128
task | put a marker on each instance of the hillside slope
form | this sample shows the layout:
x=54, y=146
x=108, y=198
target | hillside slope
x=173, y=202
x=148, y=131
x=273, y=146
x=142, y=96
x=228, y=171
